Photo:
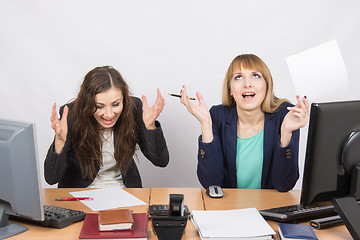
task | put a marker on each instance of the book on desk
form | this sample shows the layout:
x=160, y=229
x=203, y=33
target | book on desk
x=90, y=228
x=288, y=231
x=113, y=220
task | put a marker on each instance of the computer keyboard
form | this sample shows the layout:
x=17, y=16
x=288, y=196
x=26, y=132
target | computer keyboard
x=58, y=217
x=55, y=217
x=297, y=213
x=163, y=210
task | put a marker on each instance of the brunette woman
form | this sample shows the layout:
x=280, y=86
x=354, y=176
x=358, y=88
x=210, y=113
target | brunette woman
x=98, y=133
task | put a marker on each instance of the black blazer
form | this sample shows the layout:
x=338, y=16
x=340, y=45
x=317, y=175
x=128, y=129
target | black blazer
x=63, y=168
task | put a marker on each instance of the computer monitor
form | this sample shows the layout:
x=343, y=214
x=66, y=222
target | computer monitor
x=333, y=151
x=20, y=190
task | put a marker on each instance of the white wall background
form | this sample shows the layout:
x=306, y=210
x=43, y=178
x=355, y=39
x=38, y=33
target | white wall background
x=46, y=48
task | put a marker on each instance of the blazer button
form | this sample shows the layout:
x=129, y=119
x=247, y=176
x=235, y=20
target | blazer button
x=202, y=153
x=288, y=157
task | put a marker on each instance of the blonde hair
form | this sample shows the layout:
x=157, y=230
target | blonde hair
x=251, y=62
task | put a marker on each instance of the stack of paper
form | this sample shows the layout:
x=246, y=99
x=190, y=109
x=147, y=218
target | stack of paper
x=232, y=224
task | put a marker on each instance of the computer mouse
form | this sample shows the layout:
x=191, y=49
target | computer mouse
x=215, y=191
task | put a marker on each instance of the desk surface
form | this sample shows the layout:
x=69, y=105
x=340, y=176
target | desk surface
x=194, y=198
x=264, y=199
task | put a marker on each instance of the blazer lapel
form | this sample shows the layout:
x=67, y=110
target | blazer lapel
x=231, y=144
x=269, y=132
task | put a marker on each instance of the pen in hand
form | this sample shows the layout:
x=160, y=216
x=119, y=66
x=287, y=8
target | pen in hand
x=74, y=199
x=179, y=96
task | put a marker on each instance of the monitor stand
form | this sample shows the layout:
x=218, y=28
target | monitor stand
x=9, y=229
x=349, y=211
x=348, y=208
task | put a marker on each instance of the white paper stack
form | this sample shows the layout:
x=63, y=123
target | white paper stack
x=235, y=224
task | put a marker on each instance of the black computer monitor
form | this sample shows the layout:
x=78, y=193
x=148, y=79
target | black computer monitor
x=20, y=190
x=333, y=149
x=332, y=161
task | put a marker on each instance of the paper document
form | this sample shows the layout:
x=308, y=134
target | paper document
x=320, y=73
x=232, y=224
x=108, y=198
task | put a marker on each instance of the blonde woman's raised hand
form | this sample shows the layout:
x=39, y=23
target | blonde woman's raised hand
x=60, y=127
x=296, y=118
x=150, y=114
x=200, y=112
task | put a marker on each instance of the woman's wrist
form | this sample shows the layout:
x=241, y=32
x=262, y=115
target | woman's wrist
x=58, y=146
x=151, y=126
x=206, y=131
x=285, y=137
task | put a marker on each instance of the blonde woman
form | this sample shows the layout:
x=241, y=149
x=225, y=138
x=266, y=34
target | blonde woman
x=251, y=140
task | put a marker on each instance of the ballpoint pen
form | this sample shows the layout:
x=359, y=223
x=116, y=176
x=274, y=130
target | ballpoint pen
x=74, y=199
x=179, y=96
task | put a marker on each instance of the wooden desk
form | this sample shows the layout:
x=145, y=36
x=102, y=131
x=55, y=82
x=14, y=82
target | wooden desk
x=72, y=231
x=264, y=199
x=194, y=198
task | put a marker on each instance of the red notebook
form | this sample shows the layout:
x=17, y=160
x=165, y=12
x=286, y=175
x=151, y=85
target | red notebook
x=90, y=228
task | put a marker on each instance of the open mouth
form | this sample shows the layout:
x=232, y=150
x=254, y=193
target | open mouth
x=248, y=95
x=108, y=121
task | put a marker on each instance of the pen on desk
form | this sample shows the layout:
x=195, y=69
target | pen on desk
x=74, y=199
x=179, y=96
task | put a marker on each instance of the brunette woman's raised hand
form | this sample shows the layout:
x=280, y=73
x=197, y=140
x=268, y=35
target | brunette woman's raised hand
x=60, y=127
x=151, y=114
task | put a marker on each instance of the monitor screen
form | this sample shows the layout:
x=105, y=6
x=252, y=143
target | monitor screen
x=330, y=127
x=20, y=190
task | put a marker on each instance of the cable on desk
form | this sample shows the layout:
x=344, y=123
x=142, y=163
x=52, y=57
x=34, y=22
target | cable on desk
x=203, y=200
x=149, y=197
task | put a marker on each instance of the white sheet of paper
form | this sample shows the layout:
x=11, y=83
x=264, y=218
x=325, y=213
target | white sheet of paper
x=108, y=198
x=231, y=223
x=320, y=73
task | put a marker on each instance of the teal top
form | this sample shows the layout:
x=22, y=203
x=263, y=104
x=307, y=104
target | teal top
x=249, y=161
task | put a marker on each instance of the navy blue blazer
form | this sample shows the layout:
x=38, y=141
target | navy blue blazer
x=217, y=159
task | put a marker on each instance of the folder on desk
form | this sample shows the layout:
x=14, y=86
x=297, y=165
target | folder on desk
x=90, y=229
x=244, y=224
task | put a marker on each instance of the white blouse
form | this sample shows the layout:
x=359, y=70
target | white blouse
x=108, y=175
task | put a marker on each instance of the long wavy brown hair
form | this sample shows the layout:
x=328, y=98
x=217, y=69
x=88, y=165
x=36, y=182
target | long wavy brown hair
x=252, y=62
x=86, y=138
